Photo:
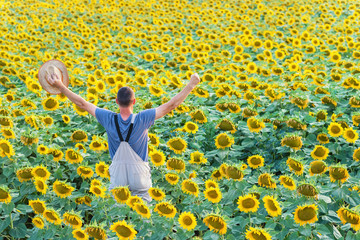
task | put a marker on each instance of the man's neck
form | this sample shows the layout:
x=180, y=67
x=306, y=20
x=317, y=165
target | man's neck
x=126, y=112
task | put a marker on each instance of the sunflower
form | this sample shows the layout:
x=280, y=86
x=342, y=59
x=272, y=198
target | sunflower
x=157, y=157
x=265, y=180
x=216, y=174
x=255, y=125
x=197, y=158
x=85, y=172
x=38, y=222
x=307, y=190
x=172, y=178
x=48, y=121
x=305, y=214
x=24, y=174
x=213, y=194
x=40, y=172
x=96, y=145
x=6, y=149
x=42, y=149
x=255, y=161
x=295, y=165
x=156, y=193
x=66, y=119
x=317, y=167
x=165, y=209
x=215, y=223
x=79, y=136
x=198, y=116
x=257, y=234
x=356, y=119
x=233, y=172
x=248, y=112
x=80, y=234
x=38, y=206
x=191, y=127
x=226, y=125
x=338, y=173
x=102, y=169
x=52, y=216
x=154, y=140
x=350, y=135
x=98, y=191
x=5, y=195
x=62, y=189
x=287, y=182
x=248, y=203
x=293, y=142
x=79, y=110
x=356, y=154
x=187, y=221
x=320, y=152
x=73, y=156
x=177, y=144
x=142, y=210
x=96, y=231
x=132, y=200
x=121, y=194
x=40, y=185
x=190, y=187
x=72, y=219
x=335, y=129
x=175, y=164
x=8, y=133
x=322, y=138
x=211, y=184
x=223, y=141
x=56, y=153
x=349, y=216
x=123, y=230
x=50, y=104
x=272, y=206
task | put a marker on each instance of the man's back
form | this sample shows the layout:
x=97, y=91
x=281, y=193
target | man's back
x=139, y=136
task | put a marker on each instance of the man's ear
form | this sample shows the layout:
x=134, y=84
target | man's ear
x=134, y=101
x=117, y=101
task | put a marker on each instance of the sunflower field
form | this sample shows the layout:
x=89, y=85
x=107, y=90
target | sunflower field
x=265, y=147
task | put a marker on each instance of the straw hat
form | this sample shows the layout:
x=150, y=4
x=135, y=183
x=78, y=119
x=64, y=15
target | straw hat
x=52, y=67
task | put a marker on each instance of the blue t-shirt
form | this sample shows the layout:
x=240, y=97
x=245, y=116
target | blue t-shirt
x=139, y=136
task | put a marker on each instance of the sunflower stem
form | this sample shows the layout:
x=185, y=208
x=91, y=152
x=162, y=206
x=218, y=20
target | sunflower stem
x=11, y=221
x=250, y=219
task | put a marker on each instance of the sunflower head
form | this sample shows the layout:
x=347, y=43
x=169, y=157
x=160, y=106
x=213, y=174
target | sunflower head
x=177, y=144
x=223, y=141
x=255, y=161
x=5, y=195
x=187, y=221
x=165, y=209
x=190, y=187
x=347, y=215
x=265, y=180
x=96, y=231
x=176, y=164
x=293, y=142
x=156, y=193
x=306, y=214
x=235, y=173
x=307, y=190
x=248, y=203
x=216, y=223
x=123, y=230
x=255, y=125
x=338, y=173
x=317, y=167
x=257, y=233
x=121, y=194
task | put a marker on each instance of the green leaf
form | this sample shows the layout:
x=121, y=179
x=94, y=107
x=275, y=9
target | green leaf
x=336, y=233
x=19, y=231
x=209, y=235
x=7, y=208
x=4, y=224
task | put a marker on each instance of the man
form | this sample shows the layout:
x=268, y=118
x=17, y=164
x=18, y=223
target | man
x=135, y=173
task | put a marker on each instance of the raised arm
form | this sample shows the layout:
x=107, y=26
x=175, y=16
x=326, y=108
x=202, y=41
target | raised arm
x=78, y=100
x=178, y=99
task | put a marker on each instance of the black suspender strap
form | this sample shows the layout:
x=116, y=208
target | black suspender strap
x=129, y=133
x=131, y=128
x=118, y=128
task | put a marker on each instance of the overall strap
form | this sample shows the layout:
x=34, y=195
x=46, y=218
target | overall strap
x=131, y=128
x=118, y=128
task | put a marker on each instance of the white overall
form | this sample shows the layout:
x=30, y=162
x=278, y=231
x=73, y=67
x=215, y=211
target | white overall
x=128, y=168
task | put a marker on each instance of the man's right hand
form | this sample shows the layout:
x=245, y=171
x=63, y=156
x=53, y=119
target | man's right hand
x=194, y=80
x=55, y=81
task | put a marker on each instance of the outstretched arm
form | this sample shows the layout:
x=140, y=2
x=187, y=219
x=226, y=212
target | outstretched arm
x=78, y=100
x=178, y=99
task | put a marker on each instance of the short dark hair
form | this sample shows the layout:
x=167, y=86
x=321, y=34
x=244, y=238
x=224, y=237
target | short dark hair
x=125, y=96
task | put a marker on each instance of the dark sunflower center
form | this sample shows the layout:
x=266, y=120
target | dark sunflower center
x=190, y=187
x=248, y=203
x=306, y=214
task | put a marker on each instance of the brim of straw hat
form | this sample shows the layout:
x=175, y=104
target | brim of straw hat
x=42, y=73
